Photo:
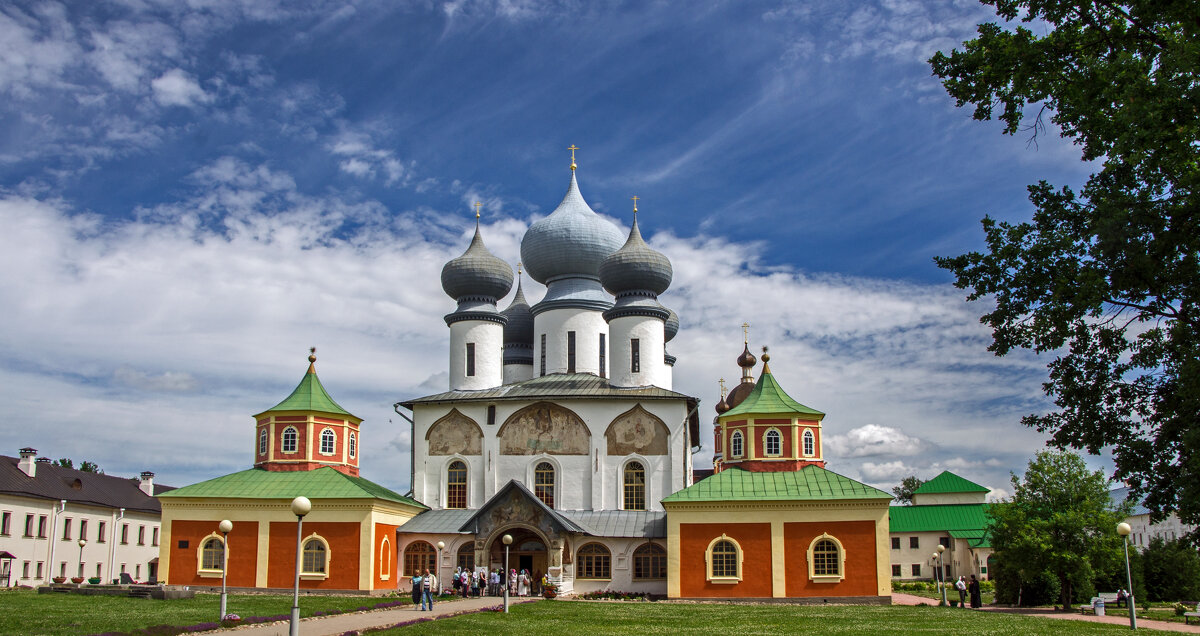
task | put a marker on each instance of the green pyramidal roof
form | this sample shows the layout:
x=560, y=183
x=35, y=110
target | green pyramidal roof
x=811, y=483
x=320, y=483
x=309, y=395
x=769, y=397
x=948, y=482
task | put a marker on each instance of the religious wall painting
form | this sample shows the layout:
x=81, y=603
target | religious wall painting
x=544, y=428
x=455, y=434
x=637, y=431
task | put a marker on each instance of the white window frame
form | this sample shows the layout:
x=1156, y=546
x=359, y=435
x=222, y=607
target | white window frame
x=708, y=561
x=262, y=441
x=737, y=445
x=315, y=576
x=201, y=571
x=332, y=437
x=283, y=441
x=808, y=443
x=778, y=443
x=827, y=578
x=353, y=445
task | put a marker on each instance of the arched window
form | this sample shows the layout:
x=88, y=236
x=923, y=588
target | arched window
x=262, y=441
x=385, y=559
x=543, y=483
x=328, y=441
x=213, y=555
x=466, y=556
x=809, y=442
x=353, y=445
x=289, y=440
x=735, y=444
x=724, y=560
x=315, y=555
x=456, y=485
x=826, y=560
x=593, y=561
x=649, y=562
x=635, y=487
x=771, y=443
x=418, y=557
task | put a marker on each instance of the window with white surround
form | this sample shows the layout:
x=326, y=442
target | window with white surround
x=456, y=485
x=100, y=532
x=826, y=560
x=385, y=559
x=5, y=522
x=262, y=441
x=724, y=560
x=543, y=483
x=66, y=529
x=353, y=445
x=772, y=444
x=735, y=444
x=809, y=443
x=211, y=556
x=328, y=441
x=314, y=562
x=289, y=439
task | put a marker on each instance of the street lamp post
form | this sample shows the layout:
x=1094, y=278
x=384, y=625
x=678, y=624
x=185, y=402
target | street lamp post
x=942, y=573
x=300, y=507
x=1123, y=529
x=507, y=539
x=225, y=527
x=82, y=542
x=437, y=567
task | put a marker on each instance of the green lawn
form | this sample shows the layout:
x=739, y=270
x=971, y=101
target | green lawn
x=27, y=612
x=576, y=617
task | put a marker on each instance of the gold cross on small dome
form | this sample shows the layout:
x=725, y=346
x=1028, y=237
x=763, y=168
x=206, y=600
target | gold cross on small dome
x=746, y=332
x=573, y=148
x=635, y=200
x=477, y=204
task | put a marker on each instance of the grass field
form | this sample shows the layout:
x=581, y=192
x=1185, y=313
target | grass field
x=575, y=617
x=27, y=612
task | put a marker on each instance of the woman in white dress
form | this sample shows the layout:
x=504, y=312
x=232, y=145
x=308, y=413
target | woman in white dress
x=523, y=584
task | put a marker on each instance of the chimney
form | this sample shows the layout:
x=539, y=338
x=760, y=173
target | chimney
x=147, y=484
x=27, y=463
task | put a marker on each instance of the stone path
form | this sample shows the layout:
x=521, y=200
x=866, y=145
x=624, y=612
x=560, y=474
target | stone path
x=342, y=623
x=908, y=599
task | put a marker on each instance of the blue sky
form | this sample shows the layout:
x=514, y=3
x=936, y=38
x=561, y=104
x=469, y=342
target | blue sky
x=195, y=192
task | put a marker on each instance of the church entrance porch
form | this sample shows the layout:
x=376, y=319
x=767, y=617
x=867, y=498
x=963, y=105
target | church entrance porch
x=528, y=553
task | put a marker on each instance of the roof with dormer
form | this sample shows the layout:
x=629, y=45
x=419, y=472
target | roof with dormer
x=767, y=397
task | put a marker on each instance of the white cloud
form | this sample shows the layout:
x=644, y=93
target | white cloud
x=177, y=88
x=364, y=160
x=998, y=494
x=873, y=440
x=892, y=471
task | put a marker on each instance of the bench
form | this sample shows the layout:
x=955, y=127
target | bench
x=1188, y=616
x=1109, y=598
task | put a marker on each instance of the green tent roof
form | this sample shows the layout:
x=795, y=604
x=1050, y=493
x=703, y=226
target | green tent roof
x=320, y=483
x=768, y=397
x=811, y=483
x=309, y=395
x=940, y=518
x=948, y=482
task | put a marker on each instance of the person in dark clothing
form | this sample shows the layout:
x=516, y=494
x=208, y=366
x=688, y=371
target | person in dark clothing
x=416, y=589
x=973, y=588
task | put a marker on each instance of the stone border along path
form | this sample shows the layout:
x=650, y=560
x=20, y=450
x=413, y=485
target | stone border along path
x=1044, y=612
x=358, y=621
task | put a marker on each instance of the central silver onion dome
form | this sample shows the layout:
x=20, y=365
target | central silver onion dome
x=571, y=242
x=477, y=273
x=518, y=331
x=635, y=267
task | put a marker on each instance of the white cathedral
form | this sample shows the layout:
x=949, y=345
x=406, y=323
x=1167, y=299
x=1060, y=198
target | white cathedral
x=560, y=427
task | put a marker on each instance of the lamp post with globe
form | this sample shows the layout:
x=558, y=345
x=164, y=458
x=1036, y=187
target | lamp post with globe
x=225, y=527
x=1123, y=529
x=507, y=539
x=300, y=507
x=437, y=569
x=82, y=542
x=941, y=571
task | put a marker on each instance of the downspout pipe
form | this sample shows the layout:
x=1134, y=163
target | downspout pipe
x=412, y=452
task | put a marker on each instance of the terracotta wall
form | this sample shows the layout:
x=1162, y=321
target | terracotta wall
x=755, y=540
x=344, y=554
x=858, y=539
x=394, y=563
x=299, y=422
x=243, y=553
x=785, y=437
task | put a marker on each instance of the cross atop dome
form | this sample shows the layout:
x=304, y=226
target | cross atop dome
x=573, y=148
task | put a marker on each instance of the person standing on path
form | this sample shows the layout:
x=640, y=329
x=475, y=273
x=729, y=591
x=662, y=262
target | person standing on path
x=973, y=588
x=429, y=588
x=416, y=591
x=961, y=586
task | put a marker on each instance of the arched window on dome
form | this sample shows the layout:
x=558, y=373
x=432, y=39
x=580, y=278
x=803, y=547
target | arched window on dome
x=328, y=441
x=262, y=441
x=634, y=490
x=543, y=483
x=353, y=445
x=809, y=443
x=771, y=443
x=735, y=444
x=456, y=485
x=289, y=440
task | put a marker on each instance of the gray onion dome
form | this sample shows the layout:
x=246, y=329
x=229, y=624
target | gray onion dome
x=671, y=326
x=572, y=241
x=635, y=267
x=477, y=273
x=519, y=328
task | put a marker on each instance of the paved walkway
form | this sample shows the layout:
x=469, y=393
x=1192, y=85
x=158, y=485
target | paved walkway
x=1043, y=612
x=342, y=623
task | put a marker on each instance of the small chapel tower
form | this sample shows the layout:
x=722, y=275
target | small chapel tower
x=307, y=430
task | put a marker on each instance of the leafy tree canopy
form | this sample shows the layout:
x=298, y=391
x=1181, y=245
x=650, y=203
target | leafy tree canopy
x=904, y=491
x=1107, y=280
x=86, y=466
x=1059, y=522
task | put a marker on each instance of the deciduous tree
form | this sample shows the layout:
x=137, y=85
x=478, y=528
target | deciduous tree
x=904, y=491
x=1106, y=280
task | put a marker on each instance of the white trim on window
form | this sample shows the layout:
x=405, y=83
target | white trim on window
x=314, y=575
x=808, y=443
x=708, y=560
x=778, y=452
x=737, y=445
x=210, y=573
x=841, y=561
x=328, y=439
x=295, y=440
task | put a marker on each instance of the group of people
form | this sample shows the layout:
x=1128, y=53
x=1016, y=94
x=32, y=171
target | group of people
x=424, y=588
x=475, y=583
x=971, y=587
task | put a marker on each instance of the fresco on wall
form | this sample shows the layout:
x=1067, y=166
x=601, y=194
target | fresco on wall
x=636, y=431
x=544, y=428
x=455, y=434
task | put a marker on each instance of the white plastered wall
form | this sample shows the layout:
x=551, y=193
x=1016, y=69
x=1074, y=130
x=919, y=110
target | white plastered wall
x=587, y=324
x=488, y=338
x=653, y=369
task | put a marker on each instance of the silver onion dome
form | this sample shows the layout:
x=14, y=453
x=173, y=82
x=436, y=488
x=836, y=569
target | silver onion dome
x=635, y=267
x=671, y=326
x=572, y=241
x=519, y=329
x=477, y=272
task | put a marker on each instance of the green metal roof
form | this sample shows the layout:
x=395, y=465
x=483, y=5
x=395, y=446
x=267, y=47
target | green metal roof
x=974, y=538
x=811, y=483
x=948, y=482
x=320, y=483
x=309, y=395
x=768, y=398
x=939, y=518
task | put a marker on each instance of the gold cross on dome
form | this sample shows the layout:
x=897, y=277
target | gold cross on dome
x=746, y=332
x=477, y=204
x=573, y=148
x=635, y=200
x=722, y=383
x=518, y=268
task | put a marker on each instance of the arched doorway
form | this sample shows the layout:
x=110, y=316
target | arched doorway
x=527, y=552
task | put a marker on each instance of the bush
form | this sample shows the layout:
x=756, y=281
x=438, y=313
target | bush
x=1171, y=570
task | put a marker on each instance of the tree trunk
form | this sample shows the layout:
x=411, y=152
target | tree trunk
x=1065, y=588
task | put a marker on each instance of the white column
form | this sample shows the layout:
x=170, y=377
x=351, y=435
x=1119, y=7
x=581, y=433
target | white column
x=488, y=340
